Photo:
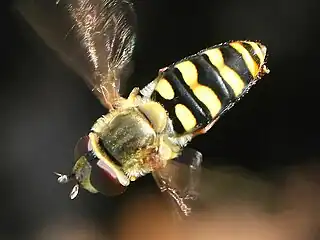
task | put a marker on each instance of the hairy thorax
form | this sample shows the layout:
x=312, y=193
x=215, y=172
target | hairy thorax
x=128, y=137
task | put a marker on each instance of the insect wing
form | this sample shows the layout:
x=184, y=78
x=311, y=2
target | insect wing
x=95, y=37
x=180, y=180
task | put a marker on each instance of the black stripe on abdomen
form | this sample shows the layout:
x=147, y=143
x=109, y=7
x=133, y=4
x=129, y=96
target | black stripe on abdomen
x=234, y=60
x=252, y=52
x=209, y=76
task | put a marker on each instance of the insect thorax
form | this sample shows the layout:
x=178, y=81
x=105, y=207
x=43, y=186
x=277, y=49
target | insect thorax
x=129, y=139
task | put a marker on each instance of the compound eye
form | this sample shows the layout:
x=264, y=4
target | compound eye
x=104, y=181
x=102, y=178
x=82, y=147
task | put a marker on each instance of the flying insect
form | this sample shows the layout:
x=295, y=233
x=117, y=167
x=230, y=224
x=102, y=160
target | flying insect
x=147, y=132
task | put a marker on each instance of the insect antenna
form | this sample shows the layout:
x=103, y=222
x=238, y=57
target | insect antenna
x=63, y=179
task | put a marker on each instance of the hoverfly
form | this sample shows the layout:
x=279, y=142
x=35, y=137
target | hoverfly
x=148, y=131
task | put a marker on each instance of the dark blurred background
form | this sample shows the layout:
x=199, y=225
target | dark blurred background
x=265, y=150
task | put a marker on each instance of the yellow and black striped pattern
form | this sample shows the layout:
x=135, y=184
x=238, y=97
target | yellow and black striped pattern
x=201, y=87
x=205, y=94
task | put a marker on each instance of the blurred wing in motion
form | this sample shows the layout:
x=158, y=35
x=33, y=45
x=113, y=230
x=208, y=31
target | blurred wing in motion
x=95, y=37
x=180, y=180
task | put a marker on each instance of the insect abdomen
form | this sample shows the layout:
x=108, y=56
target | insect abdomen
x=198, y=89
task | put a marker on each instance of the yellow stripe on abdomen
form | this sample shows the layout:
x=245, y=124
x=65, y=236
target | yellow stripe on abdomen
x=249, y=61
x=229, y=75
x=189, y=72
x=257, y=51
x=185, y=117
x=206, y=95
x=165, y=89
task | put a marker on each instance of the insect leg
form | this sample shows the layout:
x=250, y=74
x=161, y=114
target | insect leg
x=105, y=96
